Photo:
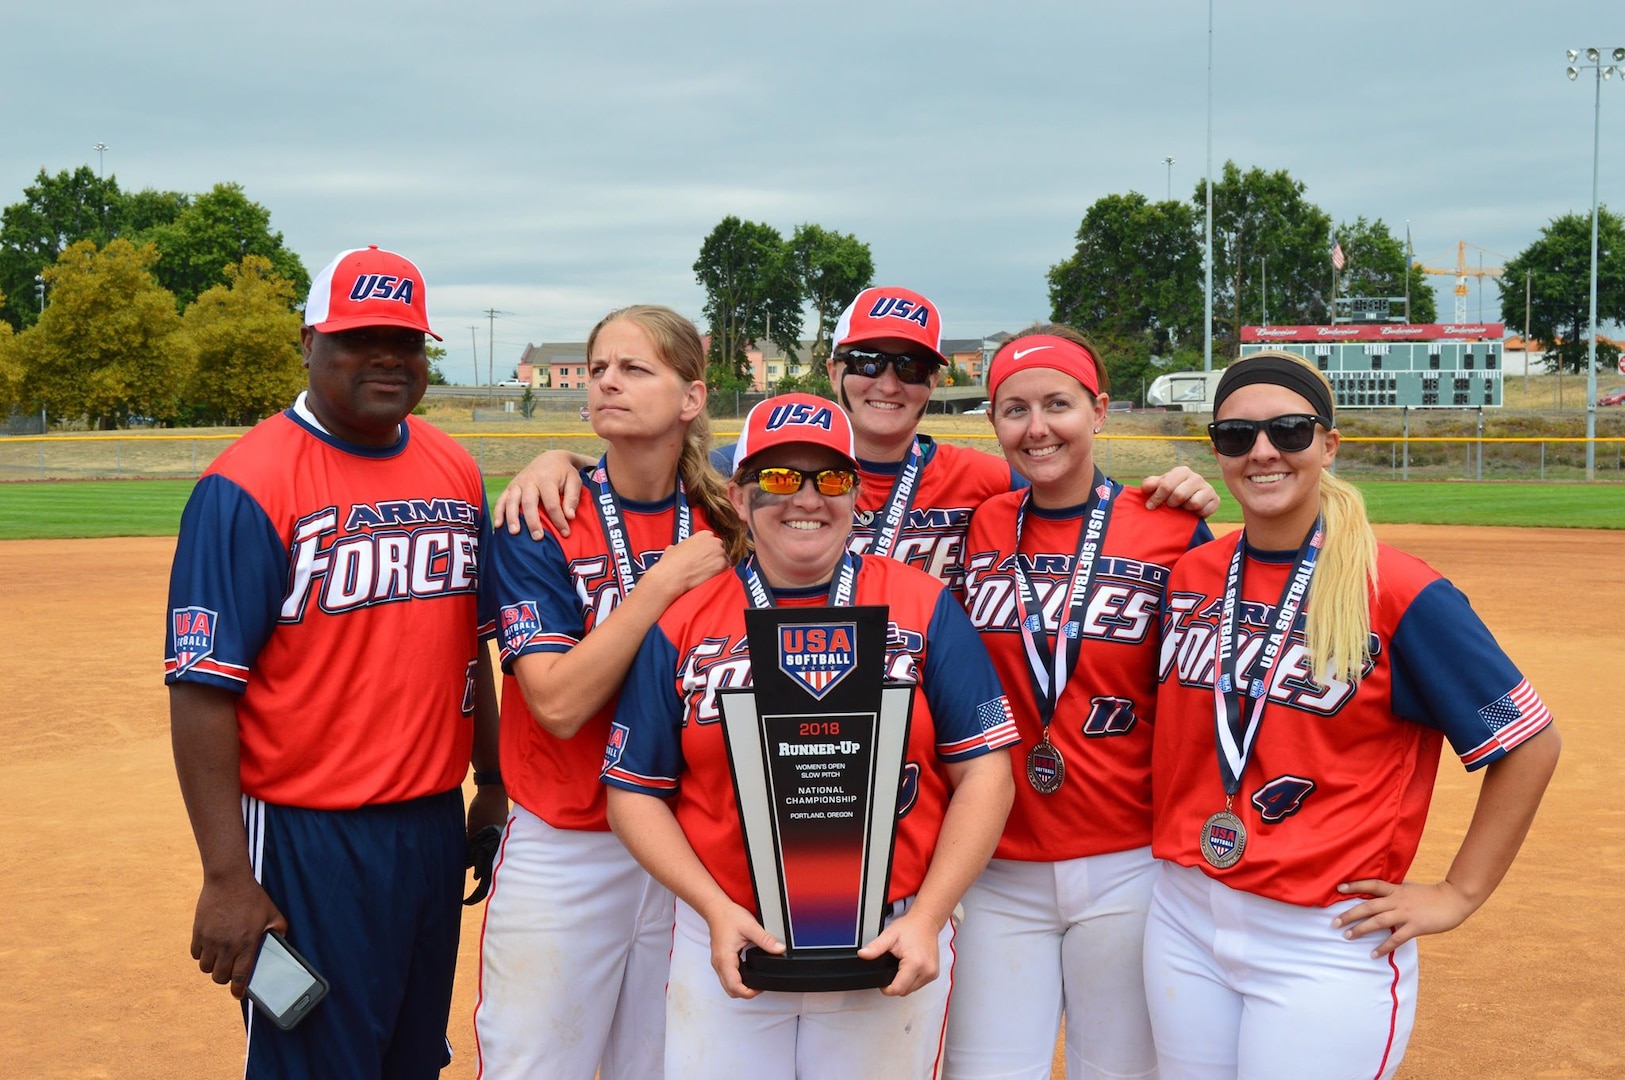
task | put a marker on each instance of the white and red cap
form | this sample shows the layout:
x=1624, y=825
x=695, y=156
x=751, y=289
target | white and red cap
x=368, y=287
x=796, y=418
x=887, y=312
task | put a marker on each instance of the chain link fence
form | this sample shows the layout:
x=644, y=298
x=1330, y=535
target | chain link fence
x=1127, y=457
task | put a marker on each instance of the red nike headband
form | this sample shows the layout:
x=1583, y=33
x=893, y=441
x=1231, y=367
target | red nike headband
x=1043, y=351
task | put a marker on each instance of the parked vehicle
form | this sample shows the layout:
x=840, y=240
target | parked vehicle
x=1186, y=391
x=1613, y=397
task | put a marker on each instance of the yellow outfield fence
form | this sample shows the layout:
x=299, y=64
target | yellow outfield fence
x=127, y=455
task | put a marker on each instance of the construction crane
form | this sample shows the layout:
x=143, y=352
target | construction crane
x=1461, y=273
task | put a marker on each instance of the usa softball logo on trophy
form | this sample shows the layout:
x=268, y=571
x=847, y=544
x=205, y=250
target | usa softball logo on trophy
x=818, y=655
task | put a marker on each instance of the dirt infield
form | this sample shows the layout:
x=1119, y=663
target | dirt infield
x=100, y=874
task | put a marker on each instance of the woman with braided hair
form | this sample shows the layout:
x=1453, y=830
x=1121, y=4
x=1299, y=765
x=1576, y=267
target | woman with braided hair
x=576, y=938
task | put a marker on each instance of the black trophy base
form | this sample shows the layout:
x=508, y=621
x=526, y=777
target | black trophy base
x=812, y=972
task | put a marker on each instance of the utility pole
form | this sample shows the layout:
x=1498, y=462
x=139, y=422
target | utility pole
x=490, y=352
x=474, y=352
x=1207, y=243
x=1408, y=258
x=1528, y=279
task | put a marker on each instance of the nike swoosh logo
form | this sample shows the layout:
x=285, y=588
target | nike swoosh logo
x=1019, y=353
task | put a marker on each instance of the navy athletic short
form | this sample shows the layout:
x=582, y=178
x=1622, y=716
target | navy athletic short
x=373, y=899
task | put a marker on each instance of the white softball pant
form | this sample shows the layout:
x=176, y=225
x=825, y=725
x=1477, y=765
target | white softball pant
x=1042, y=938
x=780, y=1036
x=1245, y=987
x=573, y=959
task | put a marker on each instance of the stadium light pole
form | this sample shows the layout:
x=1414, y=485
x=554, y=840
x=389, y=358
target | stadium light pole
x=101, y=149
x=1602, y=71
x=1207, y=243
x=1169, y=162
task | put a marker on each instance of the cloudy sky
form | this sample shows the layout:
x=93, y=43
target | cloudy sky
x=554, y=160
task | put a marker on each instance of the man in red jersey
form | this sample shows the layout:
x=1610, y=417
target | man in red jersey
x=326, y=681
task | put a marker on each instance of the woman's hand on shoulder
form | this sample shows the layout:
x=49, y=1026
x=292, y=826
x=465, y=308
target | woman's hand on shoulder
x=686, y=564
x=550, y=484
x=1407, y=910
x=1183, y=488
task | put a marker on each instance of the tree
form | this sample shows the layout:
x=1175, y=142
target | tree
x=109, y=345
x=1374, y=266
x=56, y=211
x=436, y=354
x=11, y=372
x=217, y=229
x=748, y=278
x=831, y=268
x=147, y=209
x=245, y=337
x=1258, y=214
x=1558, y=264
x=1134, y=278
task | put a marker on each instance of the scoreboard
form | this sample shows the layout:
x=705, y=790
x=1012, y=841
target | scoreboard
x=1444, y=366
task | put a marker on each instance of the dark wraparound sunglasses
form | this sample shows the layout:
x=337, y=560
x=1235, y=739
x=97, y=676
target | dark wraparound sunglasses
x=787, y=481
x=1290, y=433
x=871, y=364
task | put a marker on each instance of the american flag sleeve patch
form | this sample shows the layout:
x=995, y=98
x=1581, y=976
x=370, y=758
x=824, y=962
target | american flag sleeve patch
x=1511, y=718
x=998, y=722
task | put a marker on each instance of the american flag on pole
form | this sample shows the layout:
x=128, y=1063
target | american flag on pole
x=1512, y=718
x=1337, y=255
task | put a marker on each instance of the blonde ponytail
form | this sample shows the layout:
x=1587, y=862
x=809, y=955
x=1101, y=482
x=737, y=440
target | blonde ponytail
x=1337, y=622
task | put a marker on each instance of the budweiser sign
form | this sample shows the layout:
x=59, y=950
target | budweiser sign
x=1376, y=332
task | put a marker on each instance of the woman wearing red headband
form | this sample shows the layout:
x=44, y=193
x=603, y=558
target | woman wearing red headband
x=1310, y=677
x=1065, y=581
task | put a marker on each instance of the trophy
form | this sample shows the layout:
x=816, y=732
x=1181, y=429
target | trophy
x=817, y=746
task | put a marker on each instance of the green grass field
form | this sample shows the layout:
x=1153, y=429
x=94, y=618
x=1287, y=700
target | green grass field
x=153, y=507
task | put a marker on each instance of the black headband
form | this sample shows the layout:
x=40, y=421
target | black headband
x=1276, y=371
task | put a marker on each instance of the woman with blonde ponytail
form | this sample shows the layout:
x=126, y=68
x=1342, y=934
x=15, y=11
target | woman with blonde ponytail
x=1310, y=676
x=574, y=950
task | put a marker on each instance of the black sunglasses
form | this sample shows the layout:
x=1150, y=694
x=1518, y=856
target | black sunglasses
x=871, y=364
x=1290, y=433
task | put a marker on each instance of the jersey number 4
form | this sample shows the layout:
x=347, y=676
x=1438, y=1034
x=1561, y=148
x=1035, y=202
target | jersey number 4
x=1109, y=716
x=1282, y=797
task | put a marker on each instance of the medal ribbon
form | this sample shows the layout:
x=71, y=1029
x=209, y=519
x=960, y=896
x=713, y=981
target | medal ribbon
x=841, y=588
x=609, y=512
x=1237, y=725
x=1050, y=669
x=894, y=515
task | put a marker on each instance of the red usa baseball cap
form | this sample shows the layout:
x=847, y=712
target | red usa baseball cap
x=368, y=287
x=887, y=312
x=795, y=418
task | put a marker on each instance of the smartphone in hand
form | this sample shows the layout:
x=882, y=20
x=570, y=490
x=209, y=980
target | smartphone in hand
x=283, y=984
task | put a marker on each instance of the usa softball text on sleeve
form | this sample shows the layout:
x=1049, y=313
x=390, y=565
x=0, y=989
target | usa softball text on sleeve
x=550, y=593
x=667, y=741
x=1104, y=719
x=952, y=482
x=296, y=546
x=1341, y=776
